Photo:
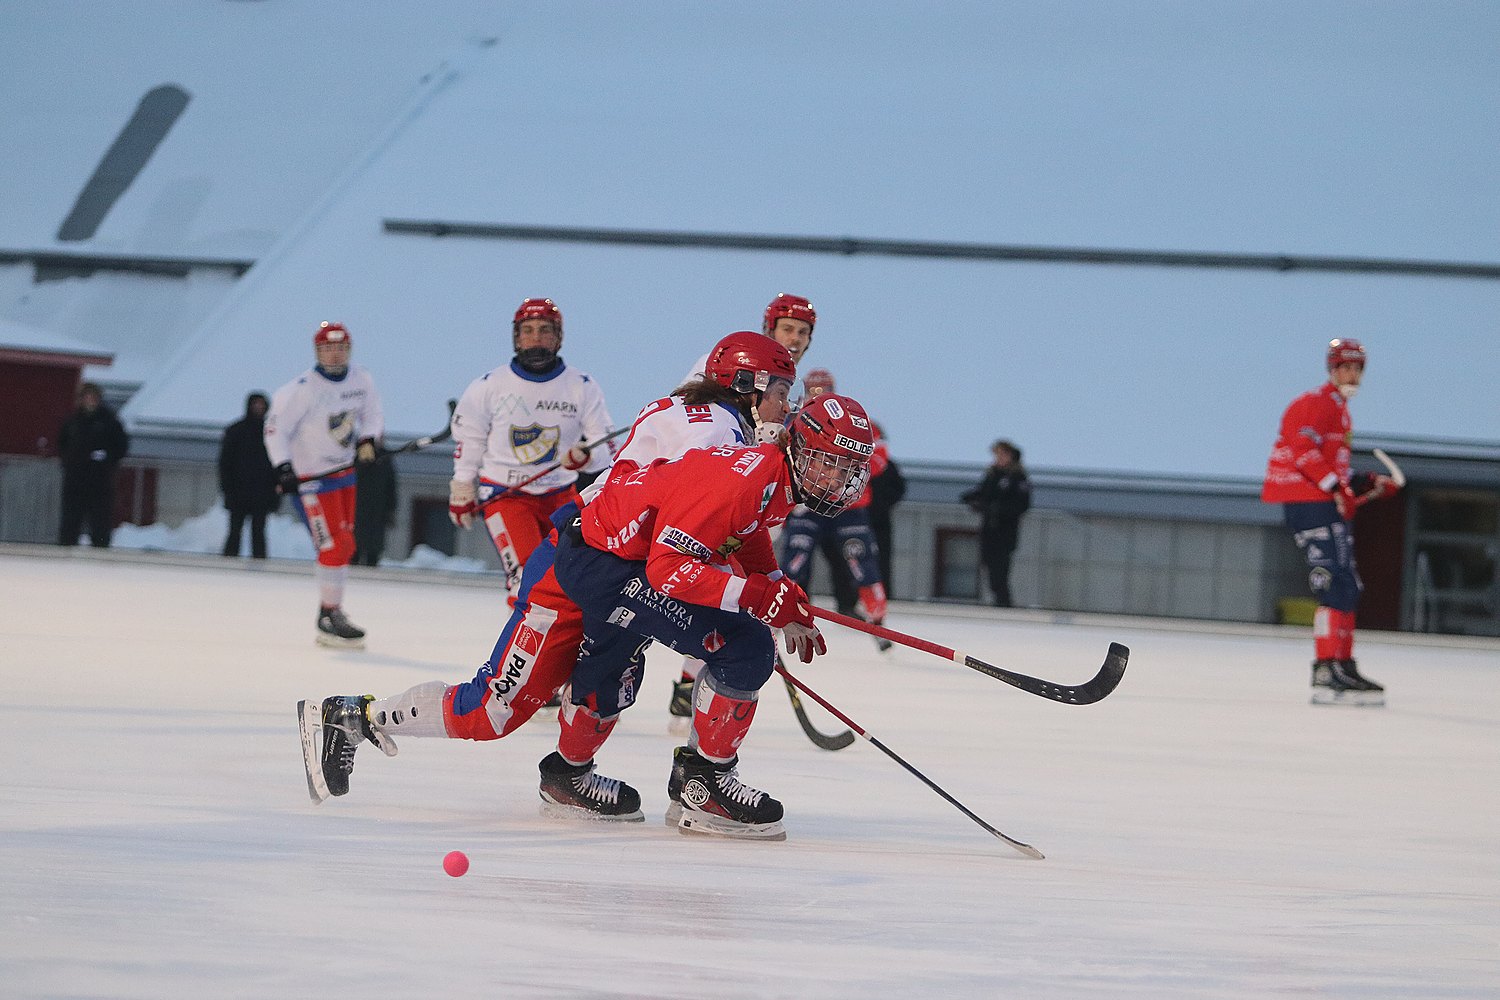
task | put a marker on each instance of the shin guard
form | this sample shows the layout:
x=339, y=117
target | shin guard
x=581, y=731
x=721, y=719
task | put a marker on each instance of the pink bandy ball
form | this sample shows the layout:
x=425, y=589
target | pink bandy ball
x=455, y=863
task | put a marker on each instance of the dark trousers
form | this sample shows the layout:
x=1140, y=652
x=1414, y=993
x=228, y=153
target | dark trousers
x=91, y=502
x=997, y=563
x=237, y=520
x=622, y=615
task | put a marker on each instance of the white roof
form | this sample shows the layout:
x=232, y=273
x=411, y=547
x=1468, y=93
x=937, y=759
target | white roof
x=1326, y=129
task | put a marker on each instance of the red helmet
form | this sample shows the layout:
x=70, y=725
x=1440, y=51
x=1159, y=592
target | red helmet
x=1344, y=351
x=832, y=441
x=818, y=381
x=792, y=306
x=331, y=333
x=746, y=361
x=538, y=309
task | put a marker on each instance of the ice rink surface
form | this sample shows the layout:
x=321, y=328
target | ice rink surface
x=1208, y=832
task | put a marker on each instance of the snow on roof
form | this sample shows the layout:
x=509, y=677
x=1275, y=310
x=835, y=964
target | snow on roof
x=20, y=337
x=1090, y=124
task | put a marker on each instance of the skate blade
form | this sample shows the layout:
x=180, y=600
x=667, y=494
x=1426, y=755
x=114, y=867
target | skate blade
x=310, y=722
x=694, y=821
x=563, y=811
x=1353, y=699
x=674, y=813
x=338, y=642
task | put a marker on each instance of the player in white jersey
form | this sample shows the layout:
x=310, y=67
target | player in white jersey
x=511, y=424
x=743, y=400
x=789, y=320
x=320, y=424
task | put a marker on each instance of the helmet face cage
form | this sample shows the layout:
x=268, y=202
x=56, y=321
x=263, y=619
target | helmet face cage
x=792, y=307
x=832, y=443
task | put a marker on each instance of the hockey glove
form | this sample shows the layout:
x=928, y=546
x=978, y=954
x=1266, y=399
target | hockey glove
x=576, y=458
x=803, y=641
x=778, y=603
x=286, y=480
x=872, y=603
x=1345, y=500
x=462, y=502
x=364, y=452
x=1380, y=488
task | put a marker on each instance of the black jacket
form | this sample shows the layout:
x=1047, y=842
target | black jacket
x=1000, y=499
x=92, y=444
x=245, y=475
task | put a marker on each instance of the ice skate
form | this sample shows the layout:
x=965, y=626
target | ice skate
x=1338, y=682
x=577, y=791
x=335, y=629
x=674, y=785
x=340, y=724
x=715, y=801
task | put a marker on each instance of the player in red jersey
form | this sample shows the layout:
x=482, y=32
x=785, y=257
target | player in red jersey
x=654, y=558
x=1309, y=474
x=845, y=538
x=742, y=400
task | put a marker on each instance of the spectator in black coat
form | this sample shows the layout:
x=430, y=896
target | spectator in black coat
x=886, y=490
x=374, y=508
x=1001, y=497
x=246, y=478
x=91, y=444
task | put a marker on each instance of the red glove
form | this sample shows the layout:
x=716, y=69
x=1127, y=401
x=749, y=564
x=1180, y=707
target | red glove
x=1380, y=488
x=576, y=458
x=872, y=602
x=1345, y=500
x=778, y=603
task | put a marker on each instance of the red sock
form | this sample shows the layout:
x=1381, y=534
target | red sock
x=1333, y=634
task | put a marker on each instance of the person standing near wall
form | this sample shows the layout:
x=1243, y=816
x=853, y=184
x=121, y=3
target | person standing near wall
x=1000, y=499
x=247, y=478
x=374, y=508
x=886, y=490
x=90, y=444
x=1308, y=474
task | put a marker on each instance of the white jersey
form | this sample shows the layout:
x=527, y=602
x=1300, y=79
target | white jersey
x=315, y=421
x=511, y=424
x=669, y=428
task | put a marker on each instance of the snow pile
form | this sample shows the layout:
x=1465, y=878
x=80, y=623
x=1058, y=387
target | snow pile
x=286, y=538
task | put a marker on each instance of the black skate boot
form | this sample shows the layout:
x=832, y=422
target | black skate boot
x=714, y=800
x=335, y=629
x=1336, y=682
x=576, y=791
x=346, y=724
x=675, y=782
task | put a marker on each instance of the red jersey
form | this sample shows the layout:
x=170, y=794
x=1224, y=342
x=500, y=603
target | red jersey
x=685, y=518
x=1311, y=456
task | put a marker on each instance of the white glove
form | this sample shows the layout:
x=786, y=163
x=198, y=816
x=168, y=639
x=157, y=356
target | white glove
x=803, y=641
x=461, y=502
x=576, y=458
